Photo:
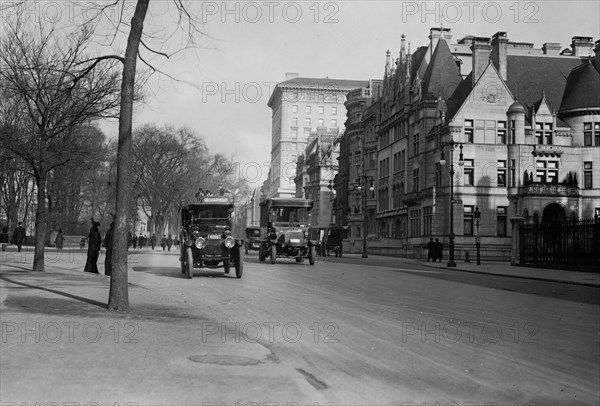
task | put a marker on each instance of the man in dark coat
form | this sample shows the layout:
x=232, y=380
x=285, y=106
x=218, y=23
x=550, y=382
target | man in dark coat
x=19, y=236
x=439, y=250
x=153, y=241
x=94, y=242
x=108, y=242
x=431, y=250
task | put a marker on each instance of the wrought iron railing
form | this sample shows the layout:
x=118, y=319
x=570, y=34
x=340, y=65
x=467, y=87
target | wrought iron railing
x=569, y=242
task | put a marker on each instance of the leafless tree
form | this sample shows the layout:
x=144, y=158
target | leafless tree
x=41, y=75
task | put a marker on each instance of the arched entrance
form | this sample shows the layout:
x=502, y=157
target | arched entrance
x=553, y=213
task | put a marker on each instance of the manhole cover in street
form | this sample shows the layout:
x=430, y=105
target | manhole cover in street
x=224, y=360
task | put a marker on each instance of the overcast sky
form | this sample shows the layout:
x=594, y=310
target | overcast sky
x=250, y=46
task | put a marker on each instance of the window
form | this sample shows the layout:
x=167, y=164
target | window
x=591, y=131
x=501, y=133
x=468, y=220
x=587, y=175
x=469, y=172
x=415, y=180
x=321, y=110
x=415, y=223
x=294, y=108
x=513, y=138
x=294, y=133
x=427, y=211
x=306, y=133
x=334, y=111
x=295, y=121
x=501, y=221
x=307, y=122
x=307, y=109
x=469, y=131
x=416, y=144
x=321, y=122
x=546, y=172
x=438, y=175
x=334, y=123
x=501, y=173
x=513, y=173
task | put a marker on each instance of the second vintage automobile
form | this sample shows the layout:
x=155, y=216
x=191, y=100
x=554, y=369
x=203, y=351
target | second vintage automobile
x=206, y=237
x=284, y=226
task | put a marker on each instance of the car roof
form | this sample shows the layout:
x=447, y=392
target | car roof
x=287, y=202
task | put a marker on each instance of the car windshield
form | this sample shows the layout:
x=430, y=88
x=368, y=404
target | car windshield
x=252, y=232
x=288, y=216
x=217, y=214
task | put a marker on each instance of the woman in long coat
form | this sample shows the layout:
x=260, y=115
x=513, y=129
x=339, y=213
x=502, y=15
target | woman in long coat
x=94, y=241
x=59, y=240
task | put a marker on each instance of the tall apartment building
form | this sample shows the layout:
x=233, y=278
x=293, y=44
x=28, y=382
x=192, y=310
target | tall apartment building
x=525, y=123
x=299, y=106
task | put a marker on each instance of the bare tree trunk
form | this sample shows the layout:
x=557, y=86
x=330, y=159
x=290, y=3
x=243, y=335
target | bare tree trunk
x=119, y=294
x=40, y=224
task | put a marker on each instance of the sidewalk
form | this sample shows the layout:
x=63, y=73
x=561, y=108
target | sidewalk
x=60, y=344
x=491, y=268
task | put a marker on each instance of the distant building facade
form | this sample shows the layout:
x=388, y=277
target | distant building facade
x=299, y=106
x=316, y=169
x=525, y=121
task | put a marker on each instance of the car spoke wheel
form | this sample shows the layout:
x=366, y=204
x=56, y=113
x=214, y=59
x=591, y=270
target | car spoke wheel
x=189, y=269
x=311, y=255
x=239, y=263
x=273, y=253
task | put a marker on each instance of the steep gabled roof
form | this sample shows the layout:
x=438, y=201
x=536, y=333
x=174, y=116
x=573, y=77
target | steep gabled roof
x=416, y=59
x=459, y=96
x=528, y=76
x=442, y=75
x=582, y=90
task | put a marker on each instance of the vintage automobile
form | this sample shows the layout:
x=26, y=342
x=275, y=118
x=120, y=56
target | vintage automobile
x=328, y=239
x=284, y=230
x=252, y=242
x=206, y=237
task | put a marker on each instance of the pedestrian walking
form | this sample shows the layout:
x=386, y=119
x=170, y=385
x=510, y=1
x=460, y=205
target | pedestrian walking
x=94, y=242
x=169, y=242
x=439, y=250
x=108, y=243
x=19, y=236
x=140, y=241
x=135, y=241
x=153, y=241
x=4, y=238
x=163, y=241
x=431, y=250
x=59, y=240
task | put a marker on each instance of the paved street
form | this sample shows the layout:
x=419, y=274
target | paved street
x=348, y=331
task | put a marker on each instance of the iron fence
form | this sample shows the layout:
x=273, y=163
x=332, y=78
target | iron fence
x=570, y=242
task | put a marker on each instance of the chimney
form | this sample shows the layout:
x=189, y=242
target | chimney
x=551, y=48
x=499, y=51
x=582, y=46
x=480, y=49
x=291, y=76
x=435, y=33
x=597, y=51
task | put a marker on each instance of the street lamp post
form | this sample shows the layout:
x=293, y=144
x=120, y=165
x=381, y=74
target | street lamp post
x=451, y=146
x=364, y=244
x=477, y=238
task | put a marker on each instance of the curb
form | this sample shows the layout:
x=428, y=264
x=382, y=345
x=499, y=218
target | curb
x=536, y=278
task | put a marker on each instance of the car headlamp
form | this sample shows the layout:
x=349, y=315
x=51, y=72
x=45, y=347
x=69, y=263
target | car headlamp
x=199, y=243
x=229, y=242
